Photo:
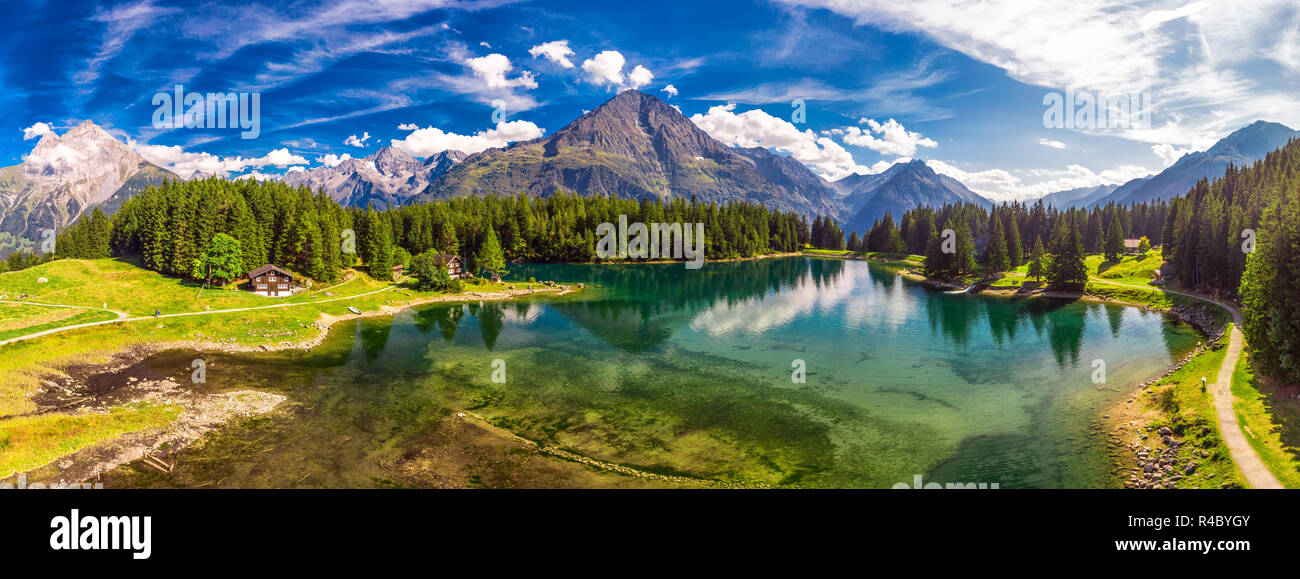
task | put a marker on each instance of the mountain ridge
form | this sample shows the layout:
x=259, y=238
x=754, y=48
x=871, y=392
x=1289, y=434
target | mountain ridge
x=68, y=175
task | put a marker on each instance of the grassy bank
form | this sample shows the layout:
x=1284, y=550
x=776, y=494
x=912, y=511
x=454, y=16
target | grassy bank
x=32, y=441
x=1270, y=419
x=121, y=286
x=1187, y=410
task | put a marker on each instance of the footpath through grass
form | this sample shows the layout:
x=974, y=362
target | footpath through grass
x=1270, y=418
x=1189, y=412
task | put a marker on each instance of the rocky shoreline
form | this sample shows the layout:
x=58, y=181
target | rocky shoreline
x=1152, y=467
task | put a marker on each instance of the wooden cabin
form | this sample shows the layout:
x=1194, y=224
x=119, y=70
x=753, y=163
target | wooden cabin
x=1131, y=245
x=455, y=267
x=270, y=280
x=398, y=270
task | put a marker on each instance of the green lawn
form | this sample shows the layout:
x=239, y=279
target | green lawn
x=1130, y=269
x=1270, y=420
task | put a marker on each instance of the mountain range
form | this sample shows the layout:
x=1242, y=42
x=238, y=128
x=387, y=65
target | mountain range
x=388, y=178
x=1243, y=147
x=898, y=189
x=634, y=146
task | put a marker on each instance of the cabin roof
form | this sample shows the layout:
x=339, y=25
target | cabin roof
x=445, y=257
x=1132, y=243
x=266, y=268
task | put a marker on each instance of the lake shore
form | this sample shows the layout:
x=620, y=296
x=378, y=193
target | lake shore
x=71, y=391
x=1127, y=424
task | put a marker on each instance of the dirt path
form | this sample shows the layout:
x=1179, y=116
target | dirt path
x=1256, y=473
x=38, y=304
x=121, y=316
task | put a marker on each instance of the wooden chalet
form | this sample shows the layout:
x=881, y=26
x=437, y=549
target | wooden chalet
x=455, y=267
x=270, y=280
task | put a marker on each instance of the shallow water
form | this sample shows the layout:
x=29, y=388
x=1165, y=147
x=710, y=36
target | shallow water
x=689, y=372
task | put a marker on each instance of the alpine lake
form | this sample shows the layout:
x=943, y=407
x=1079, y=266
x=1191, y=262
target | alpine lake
x=781, y=372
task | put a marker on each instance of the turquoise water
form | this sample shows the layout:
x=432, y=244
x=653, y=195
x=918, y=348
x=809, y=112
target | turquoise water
x=690, y=372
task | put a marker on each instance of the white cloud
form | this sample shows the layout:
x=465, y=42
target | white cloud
x=1169, y=153
x=492, y=70
x=407, y=127
x=556, y=51
x=605, y=68
x=186, y=164
x=1051, y=143
x=332, y=160
x=670, y=90
x=432, y=140
x=279, y=158
x=37, y=130
x=893, y=138
x=355, y=142
x=122, y=22
x=1002, y=185
x=639, y=77
x=57, y=158
x=756, y=128
x=1209, y=67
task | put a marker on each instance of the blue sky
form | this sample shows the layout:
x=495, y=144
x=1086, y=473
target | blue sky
x=881, y=81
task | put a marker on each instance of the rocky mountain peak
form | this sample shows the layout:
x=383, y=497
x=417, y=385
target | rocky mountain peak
x=394, y=161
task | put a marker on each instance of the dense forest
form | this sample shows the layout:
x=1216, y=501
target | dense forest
x=169, y=227
x=1006, y=236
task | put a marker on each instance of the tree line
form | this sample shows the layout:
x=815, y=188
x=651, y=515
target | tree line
x=171, y=228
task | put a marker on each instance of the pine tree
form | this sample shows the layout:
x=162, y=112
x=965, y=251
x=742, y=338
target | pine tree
x=1270, y=318
x=1037, y=257
x=1114, y=245
x=1068, y=270
x=490, y=258
x=995, y=255
x=1015, y=247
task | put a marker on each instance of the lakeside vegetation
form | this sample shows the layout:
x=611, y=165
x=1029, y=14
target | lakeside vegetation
x=1188, y=411
x=1270, y=419
x=123, y=286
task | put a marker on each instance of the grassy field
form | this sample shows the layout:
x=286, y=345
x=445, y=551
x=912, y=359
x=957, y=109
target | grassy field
x=1270, y=420
x=123, y=287
x=29, y=442
x=1130, y=269
x=1189, y=412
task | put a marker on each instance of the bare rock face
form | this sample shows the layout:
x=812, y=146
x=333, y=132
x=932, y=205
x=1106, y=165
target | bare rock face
x=388, y=178
x=66, y=176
